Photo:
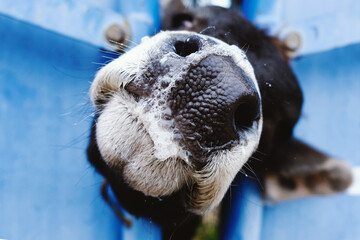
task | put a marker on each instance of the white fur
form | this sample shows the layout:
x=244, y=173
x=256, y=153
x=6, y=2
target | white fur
x=275, y=192
x=134, y=139
x=214, y=180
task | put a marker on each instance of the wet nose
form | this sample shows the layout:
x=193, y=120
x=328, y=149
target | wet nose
x=214, y=105
x=191, y=45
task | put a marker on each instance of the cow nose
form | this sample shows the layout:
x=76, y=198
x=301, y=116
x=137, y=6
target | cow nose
x=191, y=45
x=214, y=105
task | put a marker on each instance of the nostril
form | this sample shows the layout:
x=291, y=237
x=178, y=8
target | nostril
x=246, y=113
x=191, y=45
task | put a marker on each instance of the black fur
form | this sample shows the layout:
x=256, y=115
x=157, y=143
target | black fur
x=281, y=108
x=168, y=212
x=281, y=99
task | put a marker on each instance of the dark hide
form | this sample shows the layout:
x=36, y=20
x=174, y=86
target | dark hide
x=282, y=100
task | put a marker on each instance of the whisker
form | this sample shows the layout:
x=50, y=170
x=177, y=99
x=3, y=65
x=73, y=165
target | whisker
x=262, y=153
x=248, y=167
x=65, y=114
x=243, y=172
x=107, y=57
x=207, y=28
x=245, y=175
x=101, y=64
x=120, y=46
x=116, y=42
x=131, y=41
x=109, y=52
x=247, y=47
x=257, y=159
x=85, y=118
x=179, y=225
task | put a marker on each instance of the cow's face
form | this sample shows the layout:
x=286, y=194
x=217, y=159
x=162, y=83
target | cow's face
x=180, y=110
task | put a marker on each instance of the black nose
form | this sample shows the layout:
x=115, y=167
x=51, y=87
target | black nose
x=191, y=45
x=214, y=105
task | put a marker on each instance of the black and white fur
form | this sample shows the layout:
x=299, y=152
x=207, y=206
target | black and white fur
x=164, y=166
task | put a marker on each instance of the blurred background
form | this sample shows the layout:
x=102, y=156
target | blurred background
x=49, y=54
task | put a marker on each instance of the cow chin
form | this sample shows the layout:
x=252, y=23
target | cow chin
x=126, y=145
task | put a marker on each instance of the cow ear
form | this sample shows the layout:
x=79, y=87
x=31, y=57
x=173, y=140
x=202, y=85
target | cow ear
x=302, y=171
x=174, y=15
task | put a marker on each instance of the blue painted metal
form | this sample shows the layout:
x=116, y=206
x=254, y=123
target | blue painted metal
x=330, y=122
x=243, y=217
x=143, y=14
x=47, y=188
x=320, y=25
x=87, y=23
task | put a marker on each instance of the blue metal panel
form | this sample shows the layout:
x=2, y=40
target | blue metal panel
x=87, y=22
x=309, y=26
x=48, y=191
x=330, y=120
x=78, y=21
x=331, y=85
x=47, y=188
x=331, y=114
x=243, y=217
x=143, y=14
